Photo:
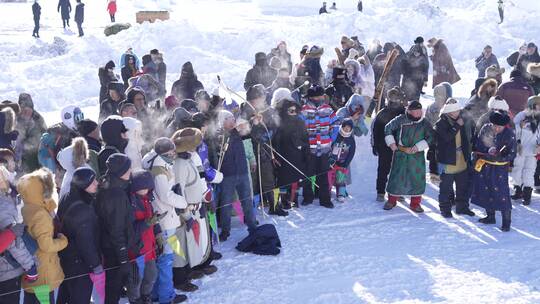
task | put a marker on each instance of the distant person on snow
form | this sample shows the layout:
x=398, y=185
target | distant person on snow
x=501, y=10
x=359, y=6
x=323, y=10
x=485, y=60
x=111, y=7
x=64, y=7
x=333, y=7
x=79, y=16
x=36, y=11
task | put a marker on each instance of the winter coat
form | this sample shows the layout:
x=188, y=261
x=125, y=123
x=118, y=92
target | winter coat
x=353, y=105
x=291, y=142
x=166, y=200
x=516, y=92
x=527, y=133
x=343, y=149
x=524, y=60
x=196, y=241
x=446, y=130
x=367, y=80
x=149, y=85
x=71, y=158
x=36, y=190
x=36, y=11
x=513, y=59
x=142, y=211
x=64, y=6
x=52, y=141
x=105, y=77
x=264, y=75
x=490, y=188
x=322, y=125
x=285, y=59
x=379, y=123
x=441, y=92
x=135, y=141
x=263, y=240
x=415, y=74
x=476, y=107
x=80, y=225
x=408, y=171
x=234, y=161
x=17, y=249
x=79, y=13
x=113, y=141
x=443, y=66
x=187, y=85
x=109, y=107
x=30, y=132
x=111, y=7
x=482, y=64
x=115, y=213
x=339, y=91
x=128, y=72
x=8, y=134
x=309, y=69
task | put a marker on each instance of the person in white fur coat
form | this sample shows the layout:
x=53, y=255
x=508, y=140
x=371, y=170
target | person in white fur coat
x=135, y=141
x=528, y=139
x=71, y=158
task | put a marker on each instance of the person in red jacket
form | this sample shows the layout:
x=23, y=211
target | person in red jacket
x=516, y=92
x=139, y=287
x=111, y=7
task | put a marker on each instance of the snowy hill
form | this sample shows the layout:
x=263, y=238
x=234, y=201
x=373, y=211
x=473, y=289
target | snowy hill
x=356, y=253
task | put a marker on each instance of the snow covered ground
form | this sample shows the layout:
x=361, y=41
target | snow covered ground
x=356, y=253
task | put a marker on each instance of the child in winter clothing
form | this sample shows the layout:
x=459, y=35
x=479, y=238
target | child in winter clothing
x=141, y=283
x=343, y=150
x=168, y=197
x=17, y=259
x=528, y=139
x=111, y=7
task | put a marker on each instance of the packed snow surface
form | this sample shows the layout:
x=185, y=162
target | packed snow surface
x=355, y=253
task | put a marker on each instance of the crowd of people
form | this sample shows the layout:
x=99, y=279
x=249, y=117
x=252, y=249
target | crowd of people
x=139, y=198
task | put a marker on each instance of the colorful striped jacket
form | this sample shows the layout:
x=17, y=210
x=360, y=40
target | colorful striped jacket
x=322, y=125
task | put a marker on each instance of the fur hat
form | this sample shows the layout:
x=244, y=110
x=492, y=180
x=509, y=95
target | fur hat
x=532, y=101
x=315, y=52
x=255, y=92
x=499, y=118
x=199, y=120
x=279, y=95
x=493, y=71
x=432, y=42
x=346, y=42
x=142, y=180
x=187, y=140
x=482, y=90
x=414, y=105
x=222, y=116
x=395, y=94
x=118, y=164
x=25, y=101
x=190, y=105
x=83, y=177
x=419, y=40
x=497, y=103
x=315, y=91
x=534, y=69
x=450, y=106
x=163, y=145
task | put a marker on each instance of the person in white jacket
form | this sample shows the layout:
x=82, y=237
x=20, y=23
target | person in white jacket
x=71, y=158
x=168, y=198
x=135, y=143
x=528, y=139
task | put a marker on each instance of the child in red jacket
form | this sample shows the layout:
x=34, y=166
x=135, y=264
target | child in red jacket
x=111, y=7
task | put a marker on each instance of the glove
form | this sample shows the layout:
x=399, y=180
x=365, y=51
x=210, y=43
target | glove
x=374, y=151
x=177, y=189
x=189, y=224
x=31, y=274
x=18, y=229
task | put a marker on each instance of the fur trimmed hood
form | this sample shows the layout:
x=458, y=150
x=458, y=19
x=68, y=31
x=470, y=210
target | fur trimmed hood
x=187, y=140
x=8, y=116
x=38, y=188
x=75, y=155
x=482, y=90
x=534, y=69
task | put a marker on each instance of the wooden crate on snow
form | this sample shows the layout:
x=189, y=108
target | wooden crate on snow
x=151, y=16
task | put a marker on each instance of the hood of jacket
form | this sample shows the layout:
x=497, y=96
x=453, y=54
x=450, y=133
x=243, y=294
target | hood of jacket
x=75, y=155
x=38, y=188
x=7, y=120
x=71, y=115
x=442, y=92
x=357, y=103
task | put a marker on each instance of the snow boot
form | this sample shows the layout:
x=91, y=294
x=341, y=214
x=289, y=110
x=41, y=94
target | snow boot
x=223, y=236
x=447, y=214
x=208, y=270
x=506, y=220
x=305, y=203
x=380, y=197
x=415, y=204
x=195, y=274
x=341, y=199
x=187, y=287
x=417, y=208
x=527, y=193
x=214, y=255
x=467, y=211
x=277, y=210
x=518, y=193
x=489, y=219
x=179, y=298
x=284, y=199
x=389, y=205
x=328, y=205
x=146, y=300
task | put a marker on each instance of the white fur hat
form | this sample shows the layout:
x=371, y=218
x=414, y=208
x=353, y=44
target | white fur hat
x=279, y=95
x=497, y=103
x=450, y=106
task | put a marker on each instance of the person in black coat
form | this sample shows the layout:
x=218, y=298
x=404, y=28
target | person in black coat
x=79, y=16
x=111, y=105
x=455, y=134
x=291, y=142
x=530, y=56
x=36, y=11
x=359, y=6
x=130, y=69
x=340, y=89
x=64, y=7
x=260, y=73
x=106, y=76
x=116, y=220
x=415, y=72
x=395, y=108
x=80, y=225
x=187, y=85
x=323, y=10
x=114, y=135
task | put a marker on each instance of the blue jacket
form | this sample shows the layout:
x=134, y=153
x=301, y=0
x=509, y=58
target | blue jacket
x=355, y=103
x=234, y=162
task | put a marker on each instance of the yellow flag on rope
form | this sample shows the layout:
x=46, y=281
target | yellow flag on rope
x=176, y=246
x=276, y=197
